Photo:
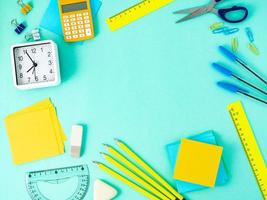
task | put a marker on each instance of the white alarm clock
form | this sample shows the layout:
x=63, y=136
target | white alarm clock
x=35, y=65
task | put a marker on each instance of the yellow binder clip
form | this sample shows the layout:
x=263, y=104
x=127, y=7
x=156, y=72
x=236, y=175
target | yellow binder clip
x=25, y=7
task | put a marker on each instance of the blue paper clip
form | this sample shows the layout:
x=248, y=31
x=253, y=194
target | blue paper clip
x=220, y=30
x=230, y=31
x=249, y=34
x=19, y=27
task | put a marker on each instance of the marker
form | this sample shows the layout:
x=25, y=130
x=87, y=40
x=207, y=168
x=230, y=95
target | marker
x=229, y=73
x=236, y=89
x=234, y=58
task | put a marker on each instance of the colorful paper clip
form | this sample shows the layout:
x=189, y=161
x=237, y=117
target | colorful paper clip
x=230, y=31
x=253, y=48
x=220, y=30
x=19, y=27
x=249, y=34
x=216, y=25
x=234, y=43
x=25, y=7
x=33, y=35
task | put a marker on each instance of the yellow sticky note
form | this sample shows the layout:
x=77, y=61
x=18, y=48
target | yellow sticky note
x=35, y=133
x=198, y=162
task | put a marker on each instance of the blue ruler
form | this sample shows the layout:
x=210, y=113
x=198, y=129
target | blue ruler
x=57, y=176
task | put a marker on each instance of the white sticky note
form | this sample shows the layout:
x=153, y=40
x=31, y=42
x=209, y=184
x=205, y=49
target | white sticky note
x=76, y=140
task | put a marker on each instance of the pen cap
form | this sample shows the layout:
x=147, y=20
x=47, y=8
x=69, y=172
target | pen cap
x=222, y=69
x=231, y=87
x=228, y=53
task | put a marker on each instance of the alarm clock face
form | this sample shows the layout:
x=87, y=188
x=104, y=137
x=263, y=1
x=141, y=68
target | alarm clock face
x=35, y=65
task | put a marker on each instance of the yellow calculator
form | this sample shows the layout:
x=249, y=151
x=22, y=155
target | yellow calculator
x=76, y=20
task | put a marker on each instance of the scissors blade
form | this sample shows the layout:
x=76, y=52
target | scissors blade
x=198, y=12
x=188, y=10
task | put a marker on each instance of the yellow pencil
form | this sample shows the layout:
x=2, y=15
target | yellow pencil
x=125, y=181
x=138, y=171
x=148, y=168
x=134, y=177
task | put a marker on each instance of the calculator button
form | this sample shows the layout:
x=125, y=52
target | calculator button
x=74, y=27
x=86, y=21
x=88, y=31
x=87, y=25
x=82, y=35
x=66, y=20
x=65, y=16
x=79, y=18
x=86, y=17
x=67, y=28
x=80, y=26
x=68, y=33
x=72, y=16
x=66, y=24
x=75, y=36
x=78, y=15
x=80, y=22
x=81, y=31
x=73, y=23
x=68, y=37
x=85, y=13
x=74, y=32
x=73, y=19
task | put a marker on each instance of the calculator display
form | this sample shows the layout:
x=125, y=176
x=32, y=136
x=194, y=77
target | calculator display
x=74, y=7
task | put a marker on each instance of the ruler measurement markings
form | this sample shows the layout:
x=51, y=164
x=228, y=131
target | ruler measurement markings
x=134, y=7
x=250, y=145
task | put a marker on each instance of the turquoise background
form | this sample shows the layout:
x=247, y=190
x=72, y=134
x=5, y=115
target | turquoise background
x=148, y=84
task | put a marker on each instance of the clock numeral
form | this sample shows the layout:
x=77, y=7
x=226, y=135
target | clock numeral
x=33, y=50
x=24, y=51
x=36, y=78
x=50, y=62
x=51, y=71
x=21, y=75
x=44, y=78
x=42, y=49
x=20, y=66
x=20, y=58
x=49, y=53
x=29, y=79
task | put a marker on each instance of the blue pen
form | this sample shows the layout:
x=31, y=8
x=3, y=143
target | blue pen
x=234, y=58
x=229, y=73
x=236, y=89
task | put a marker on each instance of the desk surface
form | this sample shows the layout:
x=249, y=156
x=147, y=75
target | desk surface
x=148, y=84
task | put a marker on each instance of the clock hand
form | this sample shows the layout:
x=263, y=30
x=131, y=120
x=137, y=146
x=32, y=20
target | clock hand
x=34, y=63
x=30, y=69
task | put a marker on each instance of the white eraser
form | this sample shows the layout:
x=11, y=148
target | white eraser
x=76, y=140
x=103, y=191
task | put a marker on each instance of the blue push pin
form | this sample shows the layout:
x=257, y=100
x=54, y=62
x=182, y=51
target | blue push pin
x=19, y=27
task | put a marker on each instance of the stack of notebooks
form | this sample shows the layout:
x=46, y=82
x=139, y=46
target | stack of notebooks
x=197, y=162
x=35, y=133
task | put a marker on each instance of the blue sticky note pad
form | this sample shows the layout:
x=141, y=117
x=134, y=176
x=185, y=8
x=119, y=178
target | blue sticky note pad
x=172, y=150
x=51, y=18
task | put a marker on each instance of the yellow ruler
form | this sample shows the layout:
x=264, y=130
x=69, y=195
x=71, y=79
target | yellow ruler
x=250, y=145
x=135, y=12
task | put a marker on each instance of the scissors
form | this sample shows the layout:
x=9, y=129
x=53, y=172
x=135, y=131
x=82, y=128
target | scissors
x=222, y=13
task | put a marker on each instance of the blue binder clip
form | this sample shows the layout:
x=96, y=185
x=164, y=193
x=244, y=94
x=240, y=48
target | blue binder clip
x=19, y=27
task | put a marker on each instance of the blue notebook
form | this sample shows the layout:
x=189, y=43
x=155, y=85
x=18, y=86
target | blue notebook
x=51, y=18
x=172, y=150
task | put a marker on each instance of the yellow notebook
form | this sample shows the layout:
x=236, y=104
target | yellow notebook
x=198, y=162
x=35, y=133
